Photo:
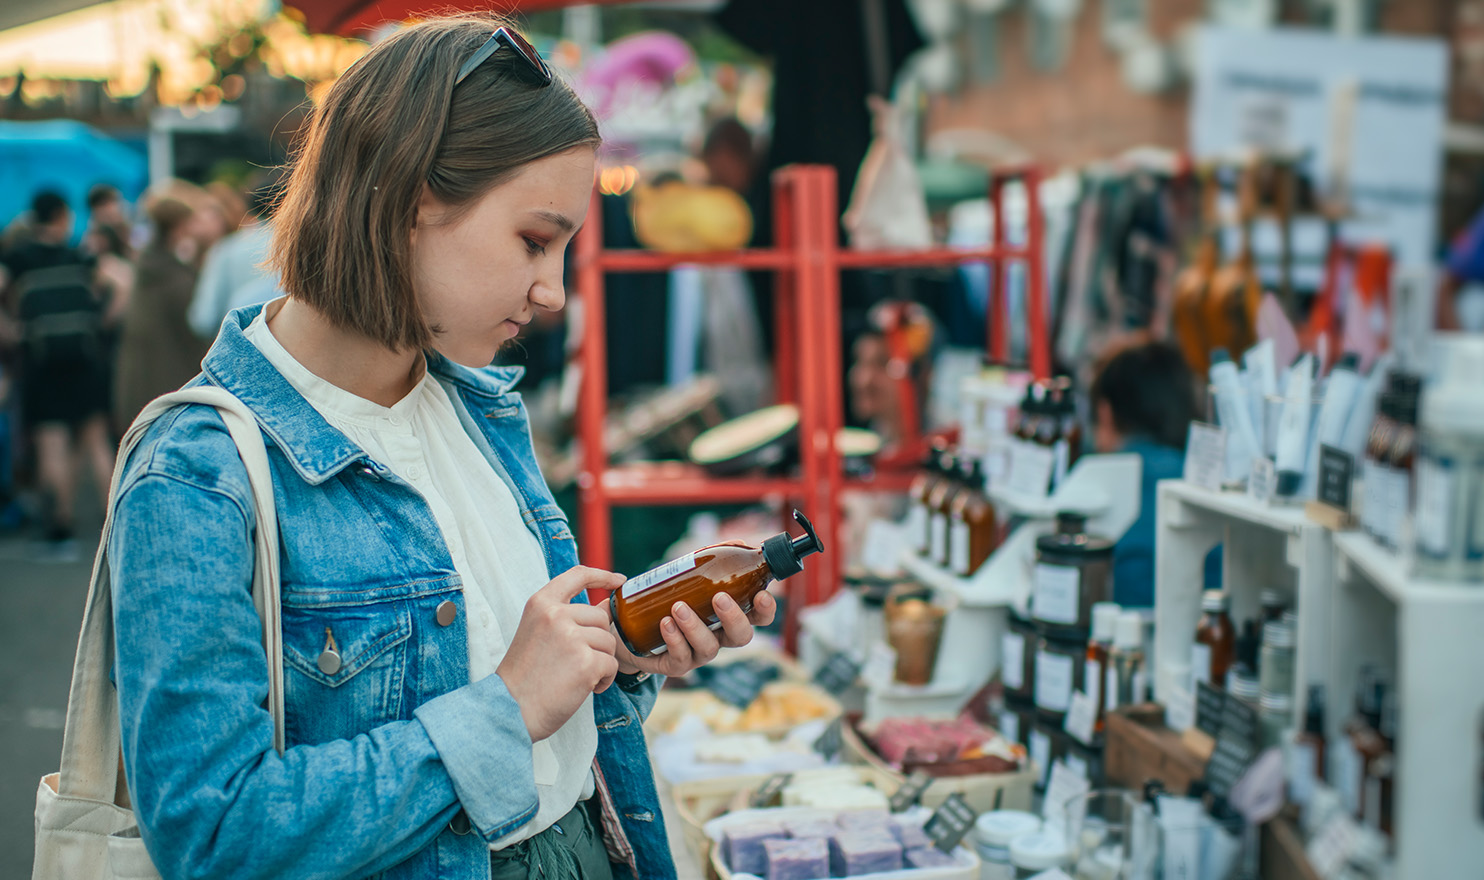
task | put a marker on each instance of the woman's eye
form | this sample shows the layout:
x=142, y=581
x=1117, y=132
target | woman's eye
x=534, y=247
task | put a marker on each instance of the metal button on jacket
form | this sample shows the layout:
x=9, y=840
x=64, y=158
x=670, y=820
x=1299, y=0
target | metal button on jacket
x=447, y=611
x=460, y=823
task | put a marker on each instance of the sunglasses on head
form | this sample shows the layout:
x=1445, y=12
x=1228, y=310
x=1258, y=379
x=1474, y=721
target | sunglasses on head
x=533, y=67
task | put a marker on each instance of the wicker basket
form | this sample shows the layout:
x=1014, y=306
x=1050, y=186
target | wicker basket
x=982, y=791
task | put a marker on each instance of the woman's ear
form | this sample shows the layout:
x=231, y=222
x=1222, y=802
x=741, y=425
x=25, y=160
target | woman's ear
x=1105, y=435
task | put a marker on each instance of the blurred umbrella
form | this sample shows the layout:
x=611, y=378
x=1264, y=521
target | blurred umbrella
x=347, y=17
x=65, y=156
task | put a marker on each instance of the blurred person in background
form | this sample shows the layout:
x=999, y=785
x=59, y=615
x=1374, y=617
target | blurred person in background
x=1143, y=402
x=60, y=308
x=874, y=395
x=109, y=227
x=158, y=351
x=234, y=274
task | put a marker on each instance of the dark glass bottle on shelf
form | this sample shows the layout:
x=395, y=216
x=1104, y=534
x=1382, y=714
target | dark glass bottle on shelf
x=919, y=522
x=939, y=499
x=972, y=528
x=1215, y=648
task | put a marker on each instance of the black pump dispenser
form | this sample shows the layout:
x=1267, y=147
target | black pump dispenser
x=785, y=553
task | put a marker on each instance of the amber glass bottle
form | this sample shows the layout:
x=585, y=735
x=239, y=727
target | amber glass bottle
x=737, y=569
x=972, y=530
x=1215, y=646
x=940, y=500
x=919, y=521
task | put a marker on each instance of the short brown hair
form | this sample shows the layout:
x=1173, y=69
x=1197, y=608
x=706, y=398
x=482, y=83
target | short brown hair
x=394, y=121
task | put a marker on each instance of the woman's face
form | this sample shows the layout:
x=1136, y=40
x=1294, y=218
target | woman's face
x=482, y=276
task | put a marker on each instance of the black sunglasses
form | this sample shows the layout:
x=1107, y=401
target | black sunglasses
x=536, y=69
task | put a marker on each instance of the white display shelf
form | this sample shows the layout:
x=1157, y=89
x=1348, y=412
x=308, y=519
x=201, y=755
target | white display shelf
x=1263, y=546
x=1427, y=634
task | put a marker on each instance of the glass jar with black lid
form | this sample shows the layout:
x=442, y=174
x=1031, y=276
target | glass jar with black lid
x=1073, y=572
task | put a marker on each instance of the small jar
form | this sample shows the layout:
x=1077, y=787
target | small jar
x=1275, y=714
x=1018, y=658
x=1073, y=573
x=1242, y=684
x=993, y=834
x=1061, y=670
x=1276, y=663
x=1039, y=851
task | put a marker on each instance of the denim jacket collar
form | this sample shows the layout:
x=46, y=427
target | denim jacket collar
x=316, y=450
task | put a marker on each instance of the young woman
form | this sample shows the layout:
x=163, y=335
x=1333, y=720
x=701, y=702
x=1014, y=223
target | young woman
x=455, y=709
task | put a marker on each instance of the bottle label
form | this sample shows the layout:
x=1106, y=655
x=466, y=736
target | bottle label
x=1054, y=595
x=1041, y=754
x=917, y=527
x=1092, y=680
x=958, y=548
x=1110, y=688
x=1012, y=664
x=639, y=583
x=1010, y=726
x=939, y=550
x=1398, y=502
x=1053, y=681
x=1435, y=499
x=1061, y=453
x=1200, y=665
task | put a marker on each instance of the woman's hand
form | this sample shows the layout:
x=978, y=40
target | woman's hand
x=690, y=643
x=562, y=652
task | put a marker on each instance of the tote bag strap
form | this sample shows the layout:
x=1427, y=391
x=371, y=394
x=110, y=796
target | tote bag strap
x=90, y=741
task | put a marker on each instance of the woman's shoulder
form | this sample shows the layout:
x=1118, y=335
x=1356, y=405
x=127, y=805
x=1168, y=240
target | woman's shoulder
x=189, y=445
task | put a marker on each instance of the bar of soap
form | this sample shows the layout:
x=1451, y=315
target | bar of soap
x=910, y=835
x=743, y=844
x=863, y=820
x=805, y=828
x=807, y=859
x=929, y=857
x=853, y=853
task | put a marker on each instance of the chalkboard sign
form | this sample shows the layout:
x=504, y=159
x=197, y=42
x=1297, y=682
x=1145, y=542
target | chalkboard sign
x=950, y=822
x=1239, y=723
x=1210, y=706
x=737, y=683
x=838, y=673
x=830, y=742
x=769, y=790
x=910, y=791
x=1236, y=746
x=1336, y=470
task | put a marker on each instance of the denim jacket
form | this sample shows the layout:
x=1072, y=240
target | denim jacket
x=397, y=765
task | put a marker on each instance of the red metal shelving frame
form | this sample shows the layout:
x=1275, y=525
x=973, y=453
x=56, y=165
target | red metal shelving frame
x=807, y=260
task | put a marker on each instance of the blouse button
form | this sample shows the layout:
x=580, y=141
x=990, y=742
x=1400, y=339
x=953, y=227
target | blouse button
x=447, y=611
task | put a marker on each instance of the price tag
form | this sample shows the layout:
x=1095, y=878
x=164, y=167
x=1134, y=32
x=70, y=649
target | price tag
x=1262, y=484
x=950, y=822
x=737, y=684
x=1180, y=709
x=769, y=791
x=1336, y=471
x=1205, y=456
x=831, y=741
x=910, y=791
x=838, y=673
x=1031, y=467
x=1210, y=704
x=1082, y=718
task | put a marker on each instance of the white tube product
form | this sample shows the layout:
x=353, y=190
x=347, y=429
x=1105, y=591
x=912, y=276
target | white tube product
x=1236, y=418
x=1358, y=426
x=1293, y=426
x=1261, y=364
x=1334, y=414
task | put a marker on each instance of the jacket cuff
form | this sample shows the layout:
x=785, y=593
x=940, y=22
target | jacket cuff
x=482, y=741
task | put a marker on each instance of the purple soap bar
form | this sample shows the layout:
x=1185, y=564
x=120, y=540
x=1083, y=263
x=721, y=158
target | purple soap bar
x=797, y=859
x=863, y=820
x=910, y=835
x=743, y=845
x=853, y=853
x=803, y=828
x=929, y=857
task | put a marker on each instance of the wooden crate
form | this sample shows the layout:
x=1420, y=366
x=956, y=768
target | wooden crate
x=1139, y=748
x=1283, y=855
x=982, y=791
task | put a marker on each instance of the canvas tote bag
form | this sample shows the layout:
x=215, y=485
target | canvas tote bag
x=82, y=832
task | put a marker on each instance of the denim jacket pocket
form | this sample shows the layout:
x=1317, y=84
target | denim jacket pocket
x=360, y=683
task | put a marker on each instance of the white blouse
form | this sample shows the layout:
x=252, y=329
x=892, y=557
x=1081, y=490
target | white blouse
x=498, y=558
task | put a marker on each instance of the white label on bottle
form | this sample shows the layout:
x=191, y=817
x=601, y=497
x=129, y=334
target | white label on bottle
x=1012, y=664
x=1053, y=681
x=1061, y=453
x=1301, y=777
x=1041, y=754
x=1092, y=682
x=1010, y=726
x=958, y=548
x=1082, y=718
x=917, y=527
x=1435, y=497
x=1137, y=694
x=1200, y=665
x=1110, y=688
x=938, y=552
x=1398, y=502
x=639, y=583
x=1347, y=770
x=1054, y=597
